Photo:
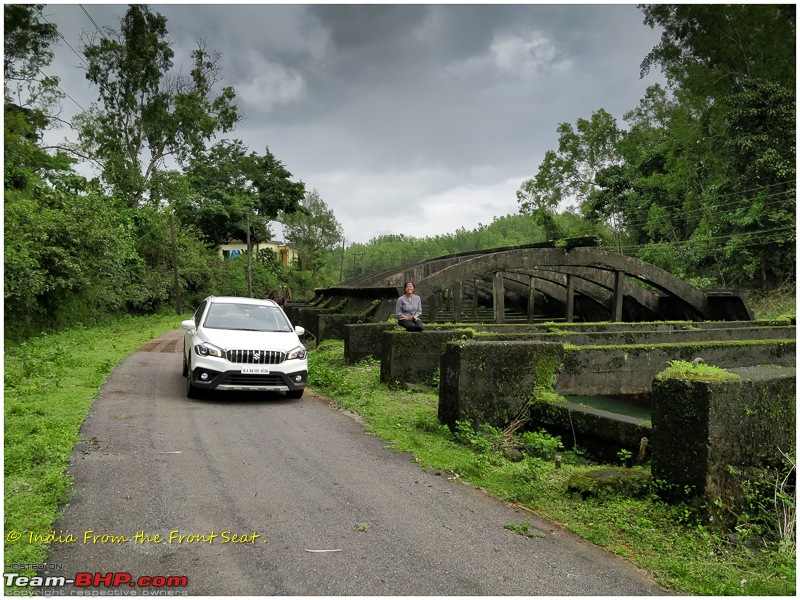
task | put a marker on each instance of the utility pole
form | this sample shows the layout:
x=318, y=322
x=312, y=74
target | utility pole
x=341, y=265
x=176, y=282
x=249, y=261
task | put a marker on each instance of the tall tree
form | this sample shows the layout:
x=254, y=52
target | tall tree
x=702, y=183
x=312, y=230
x=732, y=71
x=26, y=52
x=709, y=50
x=146, y=113
x=759, y=188
x=235, y=194
x=569, y=175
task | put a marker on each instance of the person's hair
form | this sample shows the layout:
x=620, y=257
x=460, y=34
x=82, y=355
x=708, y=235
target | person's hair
x=405, y=285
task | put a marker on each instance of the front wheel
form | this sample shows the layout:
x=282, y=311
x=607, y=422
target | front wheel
x=191, y=391
x=295, y=394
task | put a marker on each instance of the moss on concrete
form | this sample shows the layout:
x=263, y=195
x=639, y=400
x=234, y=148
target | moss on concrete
x=610, y=481
x=708, y=436
x=494, y=382
x=414, y=357
x=681, y=369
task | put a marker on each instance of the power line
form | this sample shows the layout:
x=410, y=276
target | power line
x=722, y=207
x=75, y=52
x=96, y=26
x=64, y=40
x=633, y=247
x=83, y=110
x=729, y=208
x=736, y=193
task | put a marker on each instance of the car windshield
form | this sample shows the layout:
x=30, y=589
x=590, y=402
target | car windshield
x=247, y=317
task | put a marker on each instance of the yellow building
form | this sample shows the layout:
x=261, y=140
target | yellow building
x=285, y=254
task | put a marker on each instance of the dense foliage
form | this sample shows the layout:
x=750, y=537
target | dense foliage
x=702, y=180
x=142, y=238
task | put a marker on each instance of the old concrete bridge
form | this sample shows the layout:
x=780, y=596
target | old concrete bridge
x=571, y=280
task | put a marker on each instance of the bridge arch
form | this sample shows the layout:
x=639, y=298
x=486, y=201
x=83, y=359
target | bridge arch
x=574, y=278
x=597, y=267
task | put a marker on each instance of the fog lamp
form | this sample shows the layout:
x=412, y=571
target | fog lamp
x=204, y=376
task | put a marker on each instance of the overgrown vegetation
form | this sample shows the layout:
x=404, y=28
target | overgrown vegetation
x=777, y=304
x=668, y=540
x=681, y=369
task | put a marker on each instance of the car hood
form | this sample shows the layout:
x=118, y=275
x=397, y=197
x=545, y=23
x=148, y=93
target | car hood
x=251, y=340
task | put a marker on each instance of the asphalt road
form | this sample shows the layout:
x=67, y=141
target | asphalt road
x=334, y=510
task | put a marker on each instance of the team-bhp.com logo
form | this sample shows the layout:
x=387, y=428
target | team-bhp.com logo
x=96, y=580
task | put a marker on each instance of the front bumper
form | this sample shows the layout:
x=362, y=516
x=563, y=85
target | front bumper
x=234, y=380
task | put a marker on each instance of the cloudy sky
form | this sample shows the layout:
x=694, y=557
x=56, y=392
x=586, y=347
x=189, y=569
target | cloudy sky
x=414, y=118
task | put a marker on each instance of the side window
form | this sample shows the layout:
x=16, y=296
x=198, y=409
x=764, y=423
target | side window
x=199, y=314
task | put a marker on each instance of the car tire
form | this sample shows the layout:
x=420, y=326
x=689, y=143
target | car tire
x=295, y=394
x=185, y=367
x=191, y=392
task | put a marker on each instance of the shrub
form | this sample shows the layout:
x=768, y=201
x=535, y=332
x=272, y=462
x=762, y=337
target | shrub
x=540, y=444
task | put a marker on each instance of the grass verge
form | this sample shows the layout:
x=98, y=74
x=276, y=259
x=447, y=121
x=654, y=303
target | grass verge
x=666, y=540
x=50, y=381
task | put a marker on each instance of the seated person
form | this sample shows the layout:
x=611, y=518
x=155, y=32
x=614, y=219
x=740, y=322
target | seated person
x=409, y=309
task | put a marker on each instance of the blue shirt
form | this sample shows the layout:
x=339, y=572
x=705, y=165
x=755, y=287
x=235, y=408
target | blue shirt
x=406, y=308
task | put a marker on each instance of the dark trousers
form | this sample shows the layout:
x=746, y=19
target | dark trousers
x=411, y=325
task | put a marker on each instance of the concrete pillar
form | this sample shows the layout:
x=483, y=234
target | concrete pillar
x=475, y=299
x=619, y=282
x=499, y=299
x=457, y=297
x=531, y=297
x=429, y=314
x=570, y=299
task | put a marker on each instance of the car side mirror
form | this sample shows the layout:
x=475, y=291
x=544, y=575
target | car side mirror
x=299, y=330
x=188, y=325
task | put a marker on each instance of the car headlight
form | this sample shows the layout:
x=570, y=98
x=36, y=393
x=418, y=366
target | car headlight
x=298, y=353
x=206, y=349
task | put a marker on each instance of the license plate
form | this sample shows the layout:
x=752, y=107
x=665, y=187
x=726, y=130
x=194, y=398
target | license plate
x=255, y=370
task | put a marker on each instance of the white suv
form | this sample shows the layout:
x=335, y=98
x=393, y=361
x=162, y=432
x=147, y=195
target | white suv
x=243, y=344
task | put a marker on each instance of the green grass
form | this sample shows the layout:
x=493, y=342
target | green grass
x=50, y=381
x=665, y=540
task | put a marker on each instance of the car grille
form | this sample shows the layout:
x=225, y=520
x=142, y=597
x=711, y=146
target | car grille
x=256, y=357
x=254, y=380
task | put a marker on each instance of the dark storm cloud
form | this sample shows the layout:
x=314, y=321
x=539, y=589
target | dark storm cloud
x=440, y=109
x=368, y=28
